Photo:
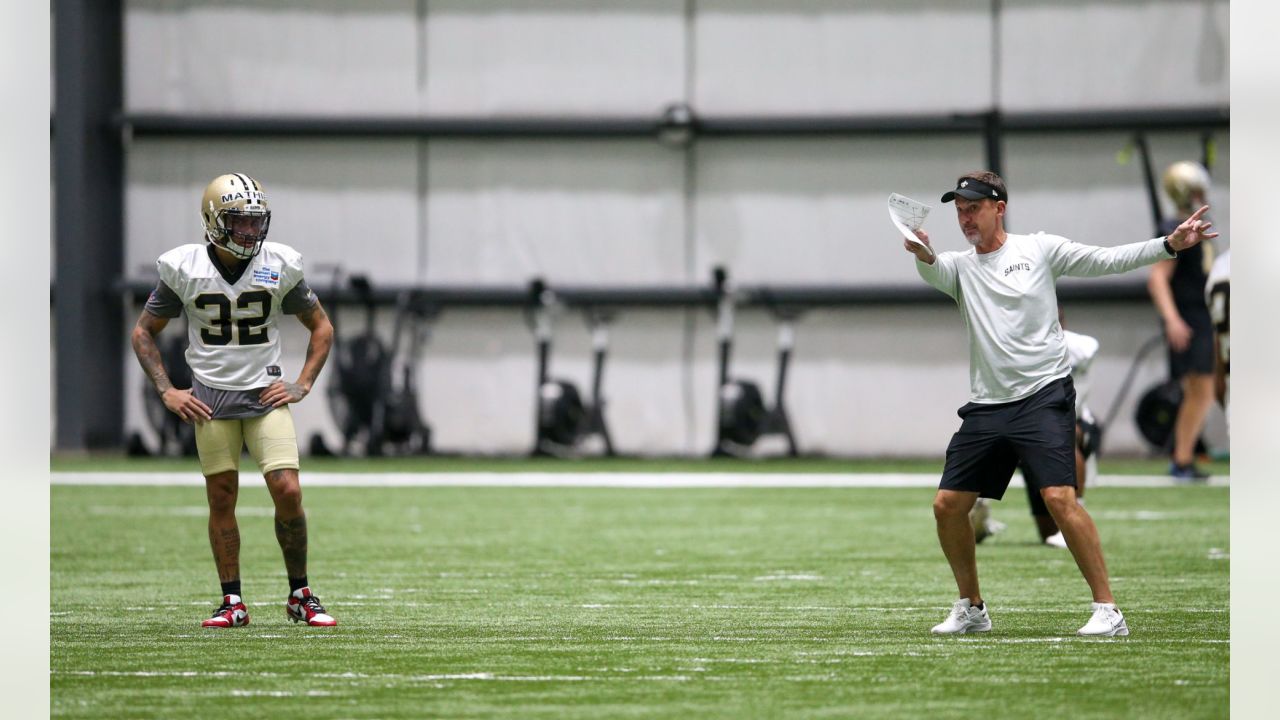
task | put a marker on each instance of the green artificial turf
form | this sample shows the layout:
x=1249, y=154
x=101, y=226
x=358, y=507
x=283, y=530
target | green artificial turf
x=439, y=463
x=602, y=602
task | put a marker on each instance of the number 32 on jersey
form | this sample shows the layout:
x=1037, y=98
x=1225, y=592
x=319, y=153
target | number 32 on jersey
x=241, y=326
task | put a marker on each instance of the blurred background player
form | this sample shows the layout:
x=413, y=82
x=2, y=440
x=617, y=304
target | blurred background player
x=1081, y=350
x=233, y=289
x=1021, y=397
x=1217, y=293
x=1177, y=289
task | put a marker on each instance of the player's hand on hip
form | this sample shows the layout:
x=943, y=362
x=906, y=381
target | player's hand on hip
x=1192, y=231
x=282, y=393
x=921, y=253
x=186, y=406
x=1178, y=332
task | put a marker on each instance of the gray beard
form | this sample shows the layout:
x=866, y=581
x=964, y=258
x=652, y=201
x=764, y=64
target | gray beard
x=975, y=240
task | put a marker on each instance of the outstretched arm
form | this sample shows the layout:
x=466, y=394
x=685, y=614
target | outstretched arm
x=317, y=321
x=180, y=402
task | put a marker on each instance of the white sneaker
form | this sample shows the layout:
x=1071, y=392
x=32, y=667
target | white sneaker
x=964, y=618
x=1107, y=621
x=1056, y=540
x=983, y=526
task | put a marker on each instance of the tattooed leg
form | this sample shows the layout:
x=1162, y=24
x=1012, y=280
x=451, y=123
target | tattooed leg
x=224, y=533
x=291, y=521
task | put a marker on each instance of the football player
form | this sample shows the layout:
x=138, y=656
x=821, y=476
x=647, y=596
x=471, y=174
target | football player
x=1177, y=290
x=234, y=287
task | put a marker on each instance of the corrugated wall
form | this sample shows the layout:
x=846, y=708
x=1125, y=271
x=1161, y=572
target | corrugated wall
x=864, y=381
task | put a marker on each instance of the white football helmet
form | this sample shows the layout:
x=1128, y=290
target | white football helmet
x=1184, y=180
x=235, y=215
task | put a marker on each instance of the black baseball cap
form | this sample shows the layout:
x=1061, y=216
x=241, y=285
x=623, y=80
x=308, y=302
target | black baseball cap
x=971, y=189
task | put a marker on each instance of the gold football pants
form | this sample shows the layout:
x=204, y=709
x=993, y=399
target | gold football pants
x=271, y=439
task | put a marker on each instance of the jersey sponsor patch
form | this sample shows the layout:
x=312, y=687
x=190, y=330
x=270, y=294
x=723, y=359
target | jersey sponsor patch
x=266, y=276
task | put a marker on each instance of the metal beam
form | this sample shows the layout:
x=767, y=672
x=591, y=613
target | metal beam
x=700, y=126
x=445, y=297
x=88, y=178
x=281, y=127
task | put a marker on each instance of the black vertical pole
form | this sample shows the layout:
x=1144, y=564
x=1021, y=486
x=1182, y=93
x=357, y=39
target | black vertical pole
x=88, y=185
x=993, y=142
x=1149, y=179
x=992, y=132
x=1208, y=151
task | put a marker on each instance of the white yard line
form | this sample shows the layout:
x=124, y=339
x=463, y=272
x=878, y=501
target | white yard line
x=377, y=677
x=596, y=479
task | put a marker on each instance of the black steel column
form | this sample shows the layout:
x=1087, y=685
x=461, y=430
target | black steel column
x=993, y=142
x=88, y=184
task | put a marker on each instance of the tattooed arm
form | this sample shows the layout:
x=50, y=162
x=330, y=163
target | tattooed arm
x=317, y=321
x=180, y=402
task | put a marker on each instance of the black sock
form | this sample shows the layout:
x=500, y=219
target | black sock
x=980, y=605
x=231, y=587
x=297, y=583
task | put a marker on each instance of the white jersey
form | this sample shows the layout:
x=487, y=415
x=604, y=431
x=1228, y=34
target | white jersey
x=1217, y=294
x=1010, y=305
x=233, y=342
x=1081, y=349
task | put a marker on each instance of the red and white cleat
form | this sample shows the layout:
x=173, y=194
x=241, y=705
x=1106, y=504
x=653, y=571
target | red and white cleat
x=232, y=613
x=302, y=606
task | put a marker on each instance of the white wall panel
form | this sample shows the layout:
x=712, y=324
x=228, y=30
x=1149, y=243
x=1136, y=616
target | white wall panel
x=488, y=406
x=574, y=212
x=554, y=56
x=882, y=381
x=349, y=203
x=323, y=57
x=832, y=56
x=1103, y=54
x=477, y=379
x=887, y=380
x=814, y=210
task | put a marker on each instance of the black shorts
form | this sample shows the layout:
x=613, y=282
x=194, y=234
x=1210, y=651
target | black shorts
x=1198, y=357
x=1089, y=442
x=1039, y=431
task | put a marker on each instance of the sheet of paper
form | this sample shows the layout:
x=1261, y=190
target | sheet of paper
x=908, y=215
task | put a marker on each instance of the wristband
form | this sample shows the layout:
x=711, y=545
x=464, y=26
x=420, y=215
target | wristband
x=1169, y=248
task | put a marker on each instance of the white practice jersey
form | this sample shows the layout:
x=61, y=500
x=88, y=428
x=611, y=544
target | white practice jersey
x=1217, y=293
x=1010, y=305
x=1081, y=349
x=233, y=340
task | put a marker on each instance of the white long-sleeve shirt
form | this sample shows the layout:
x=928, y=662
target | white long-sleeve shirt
x=1009, y=304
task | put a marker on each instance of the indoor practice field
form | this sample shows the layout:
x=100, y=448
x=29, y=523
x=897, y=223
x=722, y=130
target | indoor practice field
x=614, y=602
